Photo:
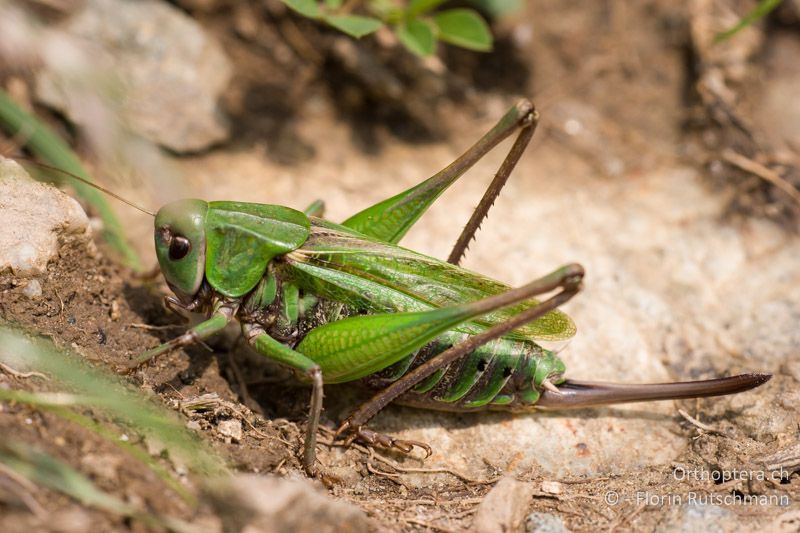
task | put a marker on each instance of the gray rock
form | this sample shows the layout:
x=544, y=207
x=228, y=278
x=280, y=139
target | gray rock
x=503, y=509
x=34, y=219
x=145, y=63
x=544, y=523
x=699, y=517
x=33, y=289
x=270, y=504
x=231, y=428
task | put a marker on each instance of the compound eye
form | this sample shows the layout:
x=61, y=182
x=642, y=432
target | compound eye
x=179, y=247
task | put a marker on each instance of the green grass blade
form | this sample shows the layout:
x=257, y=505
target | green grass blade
x=45, y=470
x=45, y=144
x=100, y=390
x=52, y=473
x=56, y=404
x=763, y=9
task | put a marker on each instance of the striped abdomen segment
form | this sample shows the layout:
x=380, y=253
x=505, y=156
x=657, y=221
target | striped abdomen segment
x=498, y=375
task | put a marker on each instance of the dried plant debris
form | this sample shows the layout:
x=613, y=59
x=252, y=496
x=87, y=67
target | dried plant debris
x=751, y=127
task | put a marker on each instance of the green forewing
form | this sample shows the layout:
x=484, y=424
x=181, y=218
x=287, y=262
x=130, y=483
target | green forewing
x=340, y=264
x=390, y=219
x=242, y=238
x=355, y=347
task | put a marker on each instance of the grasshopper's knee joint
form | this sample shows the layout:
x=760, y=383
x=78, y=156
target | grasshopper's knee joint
x=527, y=113
x=574, y=270
x=188, y=338
x=573, y=284
x=530, y=119
x=526, y=108
x=251, y=332
x=315, y=374
x=572, y=276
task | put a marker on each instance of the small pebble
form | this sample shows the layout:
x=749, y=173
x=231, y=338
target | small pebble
x=33, y=289
x=114, y=314
x=503, y=508
x=544, y=523
x=231, y=428
x=552, y=487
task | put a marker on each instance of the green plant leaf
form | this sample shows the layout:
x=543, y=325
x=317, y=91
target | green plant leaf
x=417, y=36
x=763, y=9
x=416, y=7
x=496, y=8
x=354, y=25
x=308, y=8
x=465, y=28
x=333, y=4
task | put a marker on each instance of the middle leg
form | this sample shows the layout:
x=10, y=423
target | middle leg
x=280, y=353
x=216, y=323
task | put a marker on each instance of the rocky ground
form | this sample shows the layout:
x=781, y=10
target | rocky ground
x=657, y=175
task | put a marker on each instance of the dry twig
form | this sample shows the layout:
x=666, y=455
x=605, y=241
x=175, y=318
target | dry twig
x=757, y=169
x=700, y=425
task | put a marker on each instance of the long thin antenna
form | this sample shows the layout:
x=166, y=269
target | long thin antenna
x=87, y=182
